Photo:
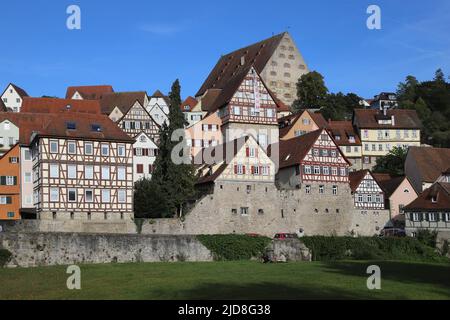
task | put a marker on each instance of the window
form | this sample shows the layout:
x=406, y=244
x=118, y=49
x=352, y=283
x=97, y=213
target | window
x=333, y=153
x=369, y=198
x=96, y=128
x=88, y=149
x=432, y=217
x=256, y=170
x=140, y=168
x=326, y=171
x=316, y=170
x=343, y=172
x=54, y=194
x=324, y=153
x=335, y=190
x=321, y=190
x=5, y=200
x=106, y=196
x=316, y=152
x=406, y=133
x=27, y=155
x=307, y=169
x=72, y=195
x=28, y=177
x=244, y=211
x=54, y=171
x=121, y=173
x=348, y=149
x=380, y=147
x=366, y=160
x=89, y=172
x=415, y=217
x=366, y=133
x=54, y=146
x=105, y=173
x=71, y=126
x=122, y=196
x=377, y=198
x=237, y=111
x=72, y=171
x=105, y=150
x=334, y=171
x=446, y=217
x=121, y=149
x=10, y=215
x=308, y=189
x=89, y=195
x=360, y=198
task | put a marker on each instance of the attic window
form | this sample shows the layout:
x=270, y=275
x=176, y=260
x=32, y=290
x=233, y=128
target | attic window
x=96, y=128
x=71, y=126
x=434, y=199
x=337, y=137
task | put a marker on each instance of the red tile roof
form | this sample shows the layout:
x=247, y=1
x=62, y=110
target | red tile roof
x=388, y=183
x=2, y=106
x=89, y=92
x=55, y=105
x=190, y=102
x=123, y=100
x=356, y=177
x=439, y=191
x=257, y=54
x=403, y=119
x=345, y=130
x=430, y=162
x=21, y=92
x=286, y=123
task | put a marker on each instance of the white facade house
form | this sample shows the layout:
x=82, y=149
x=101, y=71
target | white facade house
x=26, y=178
x=145, y=151
x=13, y=96
x=159, y=99
x=158, y=115
x=9, y=133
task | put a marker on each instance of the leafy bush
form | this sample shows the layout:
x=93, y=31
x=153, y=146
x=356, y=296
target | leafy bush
x=234, y=247
x=369, y=248
x=5, y=255
x=427, y=237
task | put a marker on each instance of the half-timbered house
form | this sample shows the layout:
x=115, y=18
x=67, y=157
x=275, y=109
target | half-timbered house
x=137, y=120
x=346, y=138
x=82, y=168
x=312, y=161
x=367, y=193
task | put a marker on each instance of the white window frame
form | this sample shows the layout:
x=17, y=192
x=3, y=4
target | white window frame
x=54, y=194
x=106, y=196
x=105, y=171
x=52, y=144
x=54, y=170
x=121, y=150
x=104, y=145
x=121, y=173
x=121, y=196
x=86, y=145
x=89, y=172
x=86, y=197
x=70, y=168
x=74, y=144
x=69, y=190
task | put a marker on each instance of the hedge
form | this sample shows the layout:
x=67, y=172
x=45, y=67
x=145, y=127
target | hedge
x=370, y=248
x=5, y=255
x=235, y=247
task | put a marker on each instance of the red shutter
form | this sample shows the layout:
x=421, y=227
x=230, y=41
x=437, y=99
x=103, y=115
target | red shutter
x=235, y=169
x=247, y=151
x=253, y=169
x=243, y=169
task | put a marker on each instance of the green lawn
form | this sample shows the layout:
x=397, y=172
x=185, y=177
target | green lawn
x=231, y=280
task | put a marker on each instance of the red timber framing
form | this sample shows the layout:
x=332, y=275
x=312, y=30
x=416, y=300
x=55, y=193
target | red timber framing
x=324, y=162
x=138, y=120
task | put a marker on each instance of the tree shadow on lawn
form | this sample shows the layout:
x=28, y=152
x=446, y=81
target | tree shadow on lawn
x=274, y=291
x=401, y=271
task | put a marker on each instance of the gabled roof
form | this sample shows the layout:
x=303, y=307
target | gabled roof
x=89, y=92
x=356, y=177
x=228, y=151
x=189, y=102
x=55, y=105
x=226, y=93
x=257, y=54
x=21, y=92
x=123, y=100
x=2, y=106
x=403, y=119
x=430, y=162
x=344, y=129
x=55, y=125
x=159, y=94
x=286, y=123
x=294, y=150
x=439, y=191
x=389, y=183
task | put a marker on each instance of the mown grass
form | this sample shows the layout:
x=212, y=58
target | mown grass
x=231, y=280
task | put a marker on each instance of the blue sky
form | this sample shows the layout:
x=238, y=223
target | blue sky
x=145, y=45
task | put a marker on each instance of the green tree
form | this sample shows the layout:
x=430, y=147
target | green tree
x=149, y=200
x=340, y=106
x=392, y=163
x=176, y=181
x=311, y=92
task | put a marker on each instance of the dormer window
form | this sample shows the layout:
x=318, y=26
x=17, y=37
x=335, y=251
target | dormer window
x=96, y=128
x=434, y=199
x=351, y=139
x=337, y=137
x=71, y=126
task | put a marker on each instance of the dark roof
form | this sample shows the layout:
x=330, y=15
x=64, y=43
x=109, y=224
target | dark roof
x=439, y=191
x=22, y=93
x=356, y=177
x=190, y=102
x=159, y=94
x=2, y=106
x=385, y=96
x=89, y=92
x=56, y=126
x=388, y=183
x=343, y=129
x=225, y=94
x=430, y=162
x=231, y=147
x=294, y=150
x=403, y=118
x=257, y=54
x=54, y=105
x=287, y=122
x=123, y=100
